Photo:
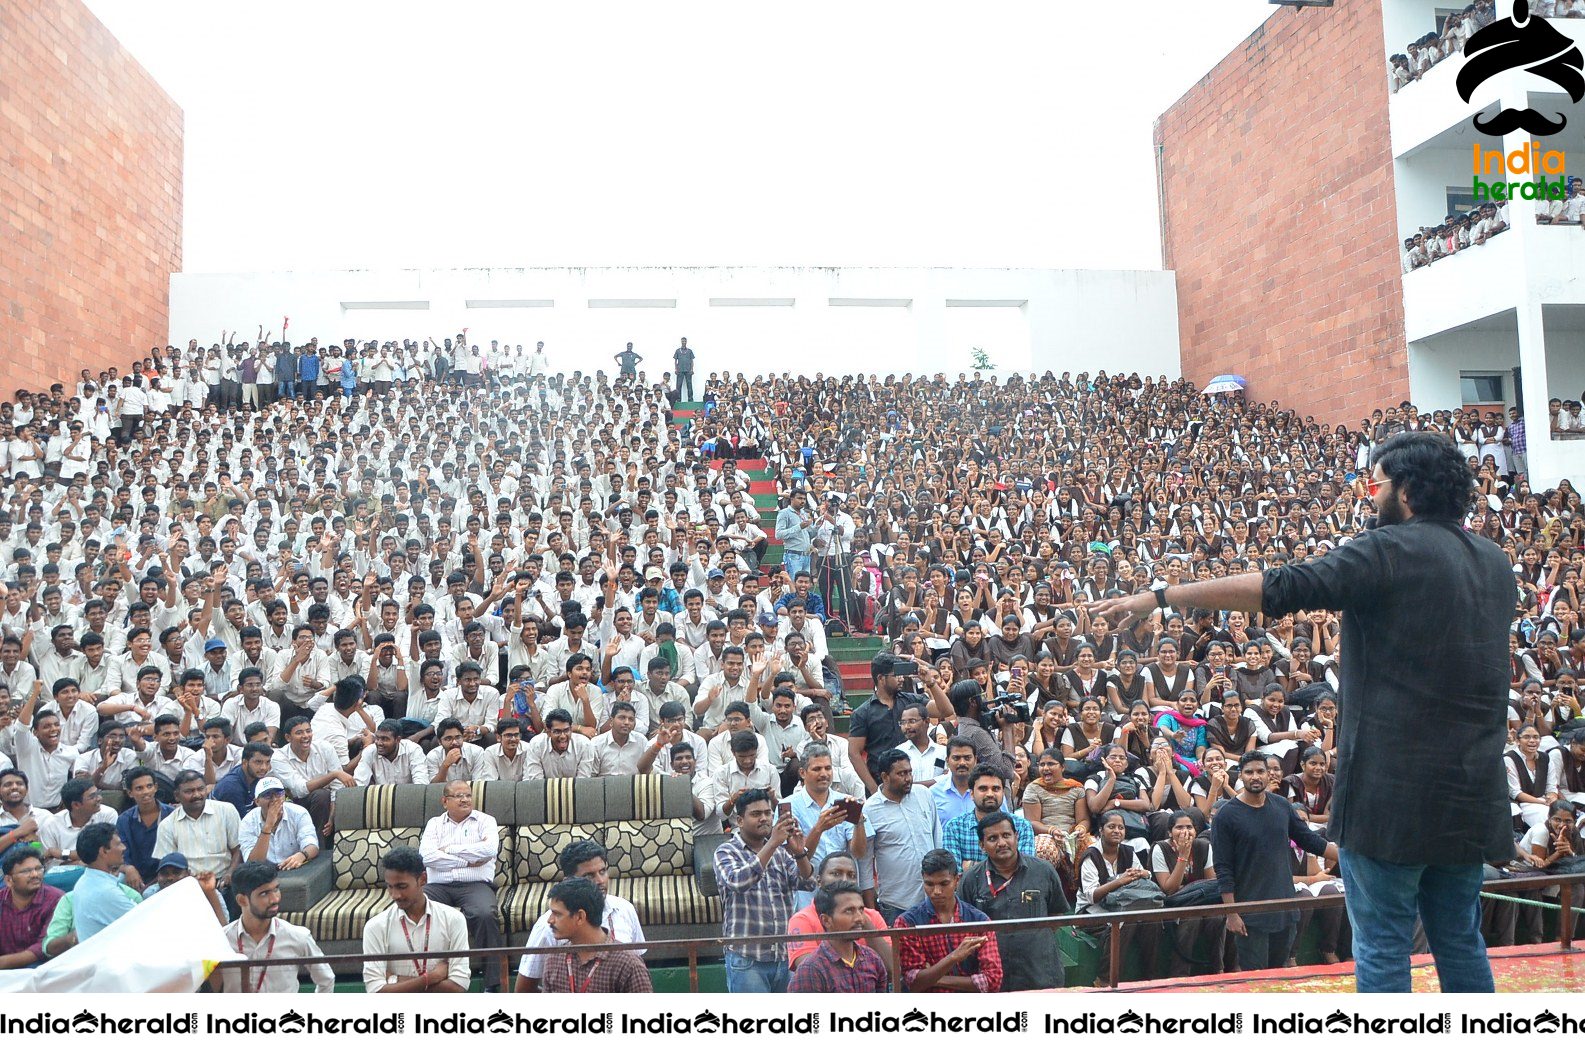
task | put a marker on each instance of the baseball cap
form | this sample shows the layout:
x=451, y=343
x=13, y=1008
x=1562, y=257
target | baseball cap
x=715, y=574
x=213, y=644
x=266, y=785
x=766, y=619
x=173, y=860
x=654, y=572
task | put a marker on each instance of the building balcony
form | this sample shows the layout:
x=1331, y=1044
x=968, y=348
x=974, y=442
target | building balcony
x=1422, y=110
x=1463, y=288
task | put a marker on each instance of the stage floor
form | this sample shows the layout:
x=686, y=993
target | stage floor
x=1528, y=968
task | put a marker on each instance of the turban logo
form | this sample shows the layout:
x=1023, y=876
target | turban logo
x=1526, y=43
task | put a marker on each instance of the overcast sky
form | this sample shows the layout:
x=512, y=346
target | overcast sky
x=353, y=134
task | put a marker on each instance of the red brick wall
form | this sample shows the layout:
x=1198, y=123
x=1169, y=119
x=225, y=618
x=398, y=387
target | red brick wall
x=1279, y=216
x=90, y=197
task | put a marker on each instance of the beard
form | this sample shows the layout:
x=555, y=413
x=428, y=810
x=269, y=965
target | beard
x=1392, y=513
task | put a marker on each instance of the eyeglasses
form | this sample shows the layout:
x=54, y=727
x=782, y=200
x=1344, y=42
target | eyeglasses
x=1372, y=486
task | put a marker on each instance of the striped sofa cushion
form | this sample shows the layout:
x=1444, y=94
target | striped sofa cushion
x=522, y=905
x=647, y=797
x=386, y=806
x=650, y=847
x=340, y=916
x=668, y=900
x=357, y=854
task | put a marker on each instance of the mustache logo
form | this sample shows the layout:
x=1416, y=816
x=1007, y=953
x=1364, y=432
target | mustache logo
x=1529, y=120
x=1530, y=44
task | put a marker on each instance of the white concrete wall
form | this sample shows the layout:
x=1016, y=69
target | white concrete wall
x=1435, y=365
x=1078, y=320
x=1422, y=182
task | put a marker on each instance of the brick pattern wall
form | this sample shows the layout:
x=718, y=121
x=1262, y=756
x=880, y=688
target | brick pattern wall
x=90, y=197
x=1279, y=213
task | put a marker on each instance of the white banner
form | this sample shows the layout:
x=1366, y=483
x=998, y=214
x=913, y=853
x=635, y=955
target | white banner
x=169, y=943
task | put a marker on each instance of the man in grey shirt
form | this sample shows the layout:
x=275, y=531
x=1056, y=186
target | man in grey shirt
x=903, y=828
x=793, y=527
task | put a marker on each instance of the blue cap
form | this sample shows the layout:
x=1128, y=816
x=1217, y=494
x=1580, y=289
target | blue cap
x=173, y=860
x=213, y=644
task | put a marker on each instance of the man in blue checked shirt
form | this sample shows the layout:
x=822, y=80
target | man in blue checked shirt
x=961, y=835
x=758, y=870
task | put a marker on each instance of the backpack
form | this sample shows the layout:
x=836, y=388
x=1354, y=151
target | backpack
x=1136, y=896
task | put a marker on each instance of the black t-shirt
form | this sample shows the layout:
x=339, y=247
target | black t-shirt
x=684, y=359
x=1250, y=845
x=876, y=725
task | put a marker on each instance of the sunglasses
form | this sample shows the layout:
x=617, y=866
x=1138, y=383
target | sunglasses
x=1372, y=486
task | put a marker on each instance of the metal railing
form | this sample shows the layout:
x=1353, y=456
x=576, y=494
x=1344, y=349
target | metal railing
x=1113, y=921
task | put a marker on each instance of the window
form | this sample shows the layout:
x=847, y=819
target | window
x=1483, y=389
x=1460, y=199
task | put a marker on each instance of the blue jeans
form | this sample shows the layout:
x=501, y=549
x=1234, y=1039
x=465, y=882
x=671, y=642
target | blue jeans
x=747, y=975
x=794, y=563
x=285, y=389
x=1383, y=900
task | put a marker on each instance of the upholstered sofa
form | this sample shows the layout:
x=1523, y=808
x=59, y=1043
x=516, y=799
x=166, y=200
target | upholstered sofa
x=645, y=822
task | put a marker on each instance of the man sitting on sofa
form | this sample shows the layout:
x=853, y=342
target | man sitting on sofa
x=459, y=848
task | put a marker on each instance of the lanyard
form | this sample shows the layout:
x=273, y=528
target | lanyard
x=421, y=965
x=572, y=980
x=996, y=891
x=269, y=950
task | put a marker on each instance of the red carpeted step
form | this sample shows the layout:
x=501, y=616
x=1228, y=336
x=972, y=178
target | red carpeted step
x=762, y=488
x=742, y=464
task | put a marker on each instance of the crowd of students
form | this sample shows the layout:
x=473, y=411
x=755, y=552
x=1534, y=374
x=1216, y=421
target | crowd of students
x=1455, y=29
x=1462, y=230
x=229, y=600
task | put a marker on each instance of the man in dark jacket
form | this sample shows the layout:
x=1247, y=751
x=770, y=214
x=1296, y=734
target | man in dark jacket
x=1427, y=608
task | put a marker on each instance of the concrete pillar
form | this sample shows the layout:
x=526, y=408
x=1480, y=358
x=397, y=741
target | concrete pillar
x=931, y=352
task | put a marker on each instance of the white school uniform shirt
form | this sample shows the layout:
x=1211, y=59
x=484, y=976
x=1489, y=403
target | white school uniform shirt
x=47, y=771
x=87, y=764
x=57, y=832
x=443, y=928
x=295, y=773
x=471, y=766
x=408, y=767
x=284, y=941
x=613, y=760
x=496, y=766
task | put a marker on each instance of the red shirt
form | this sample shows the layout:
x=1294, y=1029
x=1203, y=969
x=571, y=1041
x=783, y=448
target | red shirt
x=808, y=921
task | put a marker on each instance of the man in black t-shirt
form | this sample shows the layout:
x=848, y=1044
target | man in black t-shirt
x=873, y=729
x=1249, y=840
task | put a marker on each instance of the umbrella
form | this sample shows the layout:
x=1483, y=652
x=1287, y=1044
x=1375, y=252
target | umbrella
x=1224, y=385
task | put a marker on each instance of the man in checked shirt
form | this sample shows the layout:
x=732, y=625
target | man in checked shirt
x=759, y=869
x=946, y=962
